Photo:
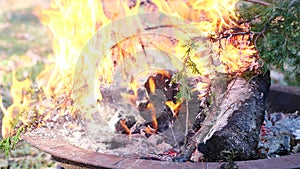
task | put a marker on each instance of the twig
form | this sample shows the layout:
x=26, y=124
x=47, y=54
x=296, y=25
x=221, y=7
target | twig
x=186, y=122
x=263, y=30
x=234, y=34
x=142, y=45
x=259, y=2
x=159, y=26
x=173, y=134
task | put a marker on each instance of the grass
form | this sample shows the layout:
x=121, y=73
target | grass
x=24, y=46
x=22, y=31
x=26, y=156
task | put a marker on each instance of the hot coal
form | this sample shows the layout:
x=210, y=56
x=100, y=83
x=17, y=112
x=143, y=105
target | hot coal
x=164, y=90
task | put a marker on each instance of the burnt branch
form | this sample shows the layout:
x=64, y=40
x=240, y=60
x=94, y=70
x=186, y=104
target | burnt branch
x=235, y=34
x=259, y=2
x=158, y=27
x=262, y=32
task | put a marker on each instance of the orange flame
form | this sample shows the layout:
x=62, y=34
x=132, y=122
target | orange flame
x=125, y=127
x=152, y=85
x=73, y=23
x=174, y=107
x=237, y=53
x=154, y=128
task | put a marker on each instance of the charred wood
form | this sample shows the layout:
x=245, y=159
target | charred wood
x=237, y=123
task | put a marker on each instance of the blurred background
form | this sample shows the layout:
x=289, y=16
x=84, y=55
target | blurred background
x=24, y=47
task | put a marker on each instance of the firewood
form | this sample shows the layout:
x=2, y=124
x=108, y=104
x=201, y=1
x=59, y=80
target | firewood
x=234, y=125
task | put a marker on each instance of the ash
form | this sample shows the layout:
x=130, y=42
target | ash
x=100, y=127
x=136, y=146
x=280, y=134
x=97, y=134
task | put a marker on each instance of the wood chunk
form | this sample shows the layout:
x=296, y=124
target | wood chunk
x=237, y=120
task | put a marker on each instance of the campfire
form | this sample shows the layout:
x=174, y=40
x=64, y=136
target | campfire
x=166, y=80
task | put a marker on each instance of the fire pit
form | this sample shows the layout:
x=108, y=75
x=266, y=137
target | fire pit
x=169, y=84
x=70, y=156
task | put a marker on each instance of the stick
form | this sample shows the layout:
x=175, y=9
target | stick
x=186, y=122
x=259, y=2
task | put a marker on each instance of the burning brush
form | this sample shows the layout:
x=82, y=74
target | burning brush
x=147, y=68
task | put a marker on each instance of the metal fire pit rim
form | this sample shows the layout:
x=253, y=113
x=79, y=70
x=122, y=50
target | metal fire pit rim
x=66, y=153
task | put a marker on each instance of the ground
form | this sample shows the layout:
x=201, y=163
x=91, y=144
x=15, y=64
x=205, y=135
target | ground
x=24, y=46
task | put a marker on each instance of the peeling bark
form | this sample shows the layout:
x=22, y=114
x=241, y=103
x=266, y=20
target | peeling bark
x=235, y=124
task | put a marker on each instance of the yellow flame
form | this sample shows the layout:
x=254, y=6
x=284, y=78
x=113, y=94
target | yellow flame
x=21, y=99
x=236, y=52
x=152, y=85
x=73, y=22
x=174, y=107
x=210, y=16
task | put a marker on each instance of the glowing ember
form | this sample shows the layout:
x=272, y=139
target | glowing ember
x=73, y=25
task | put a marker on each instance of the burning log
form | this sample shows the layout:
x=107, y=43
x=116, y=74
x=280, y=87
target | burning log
x=237, y=121
x=148, y=100
x=229, y=123
x=161, y=81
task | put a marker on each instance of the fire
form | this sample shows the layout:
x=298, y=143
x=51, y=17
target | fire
x=123, y=124
x=133, y=96
x=152, y=85
x=237, y=53
x=208, y=15
x=73, y=23
x=174, y=107
x=153, y=129
x=20, y=90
